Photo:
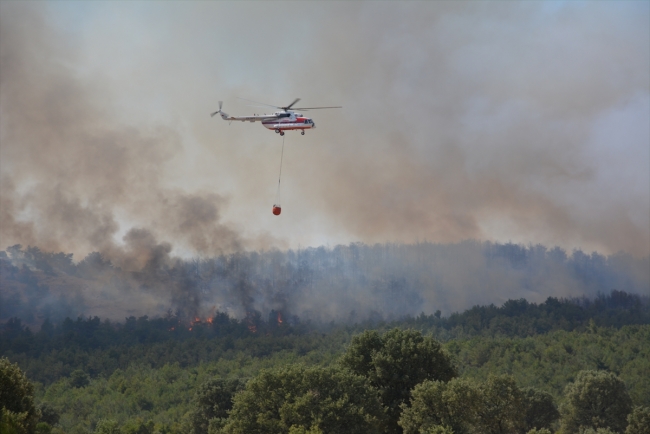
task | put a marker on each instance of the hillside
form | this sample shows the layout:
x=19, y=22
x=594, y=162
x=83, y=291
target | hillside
x=150, y=369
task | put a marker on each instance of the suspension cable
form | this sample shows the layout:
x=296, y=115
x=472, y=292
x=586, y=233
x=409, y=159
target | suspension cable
x=278, y=199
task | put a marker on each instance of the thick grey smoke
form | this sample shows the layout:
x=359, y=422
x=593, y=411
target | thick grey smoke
x=345, y=283
x=73, y=176
x=523, y=122
x=502, y=121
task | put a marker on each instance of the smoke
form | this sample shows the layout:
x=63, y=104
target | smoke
x=522, y=122
x=488, y=121
x=345, y=283
x=73, y=177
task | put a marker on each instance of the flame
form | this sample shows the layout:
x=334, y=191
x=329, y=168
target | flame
x=251, y=323
x=279, y=318
x=209, y=320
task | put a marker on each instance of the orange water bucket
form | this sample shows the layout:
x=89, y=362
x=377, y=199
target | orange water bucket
x=276, y=210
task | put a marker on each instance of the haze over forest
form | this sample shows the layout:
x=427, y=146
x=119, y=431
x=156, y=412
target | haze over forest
x=520, y=125
x=345, y=284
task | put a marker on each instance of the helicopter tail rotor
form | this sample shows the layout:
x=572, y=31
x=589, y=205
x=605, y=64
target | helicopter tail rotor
x=218, y=111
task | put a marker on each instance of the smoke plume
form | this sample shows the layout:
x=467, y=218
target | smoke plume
x=345, y=283
x=522, y=122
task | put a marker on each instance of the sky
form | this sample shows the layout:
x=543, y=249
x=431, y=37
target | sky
x=526, y=122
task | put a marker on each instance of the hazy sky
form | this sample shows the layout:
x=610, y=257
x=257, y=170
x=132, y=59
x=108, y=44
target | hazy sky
x=506, y=121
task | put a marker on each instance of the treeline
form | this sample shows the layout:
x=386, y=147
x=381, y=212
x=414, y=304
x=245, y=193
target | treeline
x=522, y=318
x=155, y=375
x=345, y=283
x=395, y=382
x=99, y=347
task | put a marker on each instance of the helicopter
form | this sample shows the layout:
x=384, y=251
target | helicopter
x=286, y=118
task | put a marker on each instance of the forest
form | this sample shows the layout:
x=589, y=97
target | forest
x=170, y=375
x=346, y=283
x=472, y=337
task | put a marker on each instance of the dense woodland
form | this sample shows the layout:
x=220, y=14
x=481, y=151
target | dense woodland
x=354, y=339
x=171, y=375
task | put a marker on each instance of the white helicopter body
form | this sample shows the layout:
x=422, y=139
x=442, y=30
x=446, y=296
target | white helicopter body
x=279, y=121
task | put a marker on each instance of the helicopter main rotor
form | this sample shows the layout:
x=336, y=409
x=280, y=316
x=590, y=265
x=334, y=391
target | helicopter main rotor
x=289, y=107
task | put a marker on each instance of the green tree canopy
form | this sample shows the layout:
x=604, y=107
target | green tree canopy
x=49, y=414
x=107, y=426
x=638, y=422
x=539, y=431
x=137, y=426
x=305, y=400
x=494, y=407
x=596, y=399
x=395, y=363
x=590, y=430
x=79, y=378
x=540, y=410
x=212, y=403
x=436, y=405
x=502, y=406
x=16, y=399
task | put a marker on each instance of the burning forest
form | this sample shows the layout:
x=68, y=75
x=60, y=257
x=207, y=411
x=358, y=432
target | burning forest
x=345, y=284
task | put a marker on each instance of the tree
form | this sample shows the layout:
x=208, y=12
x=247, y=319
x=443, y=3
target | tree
x=540, y=410
x=395, y=363
x=212, y=403
x=440, y=430
x=305, y=400
x=16, y=399
x=79, y=378
x=595, y=431
x=501, y=408
x=638, y=422
x=596, y=399
x=49, y=414
x=12, y=423
x=137, y=426
x=43, y=428
x=107, y=426
x=436, y=405
x=496, y=406
x=302, y=430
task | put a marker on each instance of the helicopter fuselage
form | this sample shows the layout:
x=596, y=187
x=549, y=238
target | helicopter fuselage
x=295, y=121
x=280, y=121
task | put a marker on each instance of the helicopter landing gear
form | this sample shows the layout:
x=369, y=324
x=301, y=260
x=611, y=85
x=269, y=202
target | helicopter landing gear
x=302, y=133
x=282, y=133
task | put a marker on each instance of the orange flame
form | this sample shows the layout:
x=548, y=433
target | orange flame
x=279, y=318
x=250, y=320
